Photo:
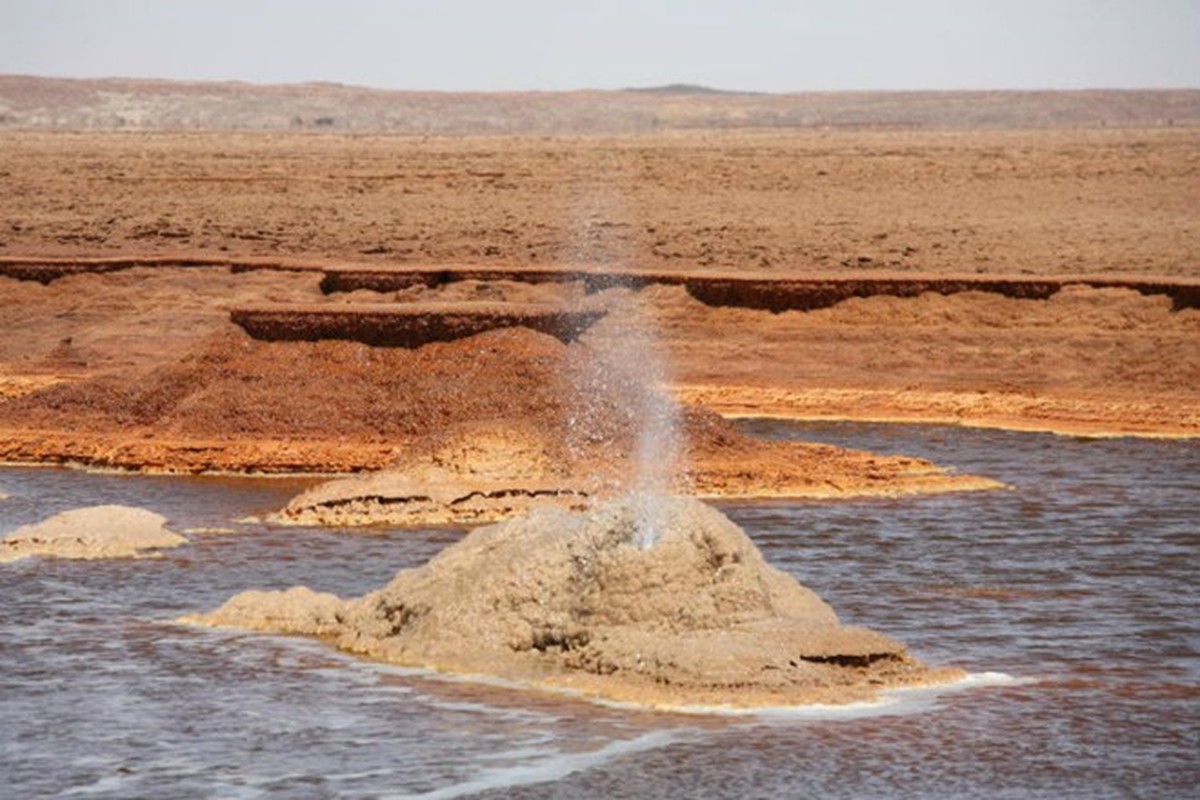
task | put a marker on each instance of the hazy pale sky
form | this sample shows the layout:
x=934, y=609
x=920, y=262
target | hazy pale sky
x=763, y=45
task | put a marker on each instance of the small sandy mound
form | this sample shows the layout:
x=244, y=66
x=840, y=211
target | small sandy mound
x=92, y=533
x=466, y=474
x=436, y=497
x=580, y=601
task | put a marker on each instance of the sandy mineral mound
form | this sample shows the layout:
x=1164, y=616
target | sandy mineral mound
x=582, y=601
x=465, y=473
x=91, y=533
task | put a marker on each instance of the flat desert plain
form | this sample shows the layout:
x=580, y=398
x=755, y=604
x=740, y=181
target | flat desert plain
x=1053, y=202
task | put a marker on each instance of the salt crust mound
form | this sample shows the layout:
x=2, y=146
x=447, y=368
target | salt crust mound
x=93, y=532
x=571, y=601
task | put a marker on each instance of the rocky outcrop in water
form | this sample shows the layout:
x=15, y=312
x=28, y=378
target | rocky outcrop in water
x=93, y=532
x=583, y=602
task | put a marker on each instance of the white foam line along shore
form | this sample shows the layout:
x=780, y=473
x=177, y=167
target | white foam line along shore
x=553, y=768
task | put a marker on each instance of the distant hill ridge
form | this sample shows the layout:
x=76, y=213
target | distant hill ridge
x=685, y=88
x=37, y=103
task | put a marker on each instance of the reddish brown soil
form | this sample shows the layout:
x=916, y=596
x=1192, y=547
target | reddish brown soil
x=542, y=408
x=233, y=387
x=1049, y=202
x=1090, y=361
x=147, y=356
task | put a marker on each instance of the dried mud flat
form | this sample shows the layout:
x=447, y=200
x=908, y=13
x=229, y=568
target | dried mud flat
x=1054, y=202
x=135, y=361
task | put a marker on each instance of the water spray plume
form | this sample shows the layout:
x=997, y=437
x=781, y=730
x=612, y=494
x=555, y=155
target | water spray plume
x=657, y=448
x=655, y=451
x=643, y=368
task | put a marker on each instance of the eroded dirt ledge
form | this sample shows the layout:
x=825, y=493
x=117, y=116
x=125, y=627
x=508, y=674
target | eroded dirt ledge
x=1109, y=360
x=744, y=289
x=408, y=324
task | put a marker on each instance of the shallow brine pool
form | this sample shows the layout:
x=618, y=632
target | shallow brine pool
x=1082, y=582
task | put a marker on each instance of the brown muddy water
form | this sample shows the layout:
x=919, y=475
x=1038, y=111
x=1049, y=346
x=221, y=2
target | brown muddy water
x=1073, y=596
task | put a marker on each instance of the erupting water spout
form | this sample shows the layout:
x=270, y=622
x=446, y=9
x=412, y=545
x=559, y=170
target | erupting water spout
x=630, y=353
x=657, y=446
x=657, y=449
